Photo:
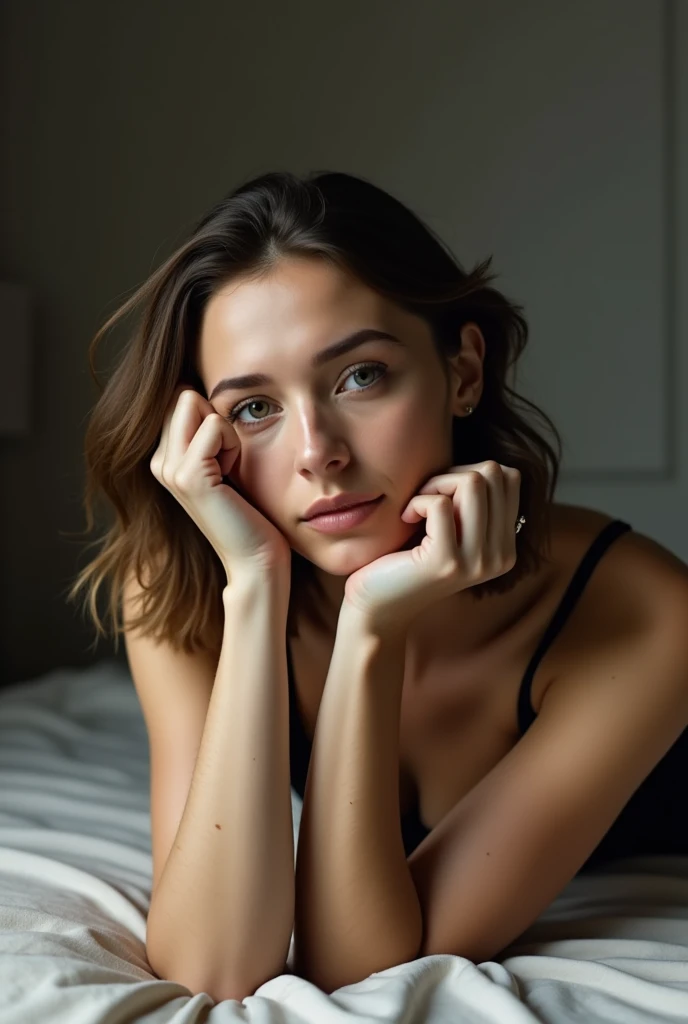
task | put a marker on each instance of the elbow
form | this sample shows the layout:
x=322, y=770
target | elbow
x=197, y=980
x=329, y=975
x=218, y=991
x=184, y=975
x=198, y=967
x=238, y=989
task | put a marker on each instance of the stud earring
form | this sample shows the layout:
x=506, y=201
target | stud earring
x=469, y=410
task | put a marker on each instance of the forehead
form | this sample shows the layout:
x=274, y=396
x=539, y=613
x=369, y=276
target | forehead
x=299, y=305
x=293, y=291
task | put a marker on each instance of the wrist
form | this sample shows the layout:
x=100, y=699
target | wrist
x=269, y=582
x=362, y=622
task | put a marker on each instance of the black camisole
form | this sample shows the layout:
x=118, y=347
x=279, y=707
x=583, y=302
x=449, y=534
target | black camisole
x=654, y=819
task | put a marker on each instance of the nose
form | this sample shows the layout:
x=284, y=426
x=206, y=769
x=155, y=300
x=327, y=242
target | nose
x=319, y=443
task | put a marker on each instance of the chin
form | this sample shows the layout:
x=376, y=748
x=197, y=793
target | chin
x=345, y=555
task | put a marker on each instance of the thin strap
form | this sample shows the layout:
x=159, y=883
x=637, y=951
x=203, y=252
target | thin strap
x=526, y=713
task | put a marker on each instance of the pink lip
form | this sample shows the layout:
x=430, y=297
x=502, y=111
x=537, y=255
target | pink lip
x=341, y=502
x=345, y=519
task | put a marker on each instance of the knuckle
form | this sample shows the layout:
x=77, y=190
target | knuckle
x=481, y=568
x=450, y=569
x=180, y=398
x=173, y=405
x=508, y=561
x=180, y=478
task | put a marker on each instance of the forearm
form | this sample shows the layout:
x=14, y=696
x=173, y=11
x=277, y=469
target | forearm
x=221, y=916
x=357, y=910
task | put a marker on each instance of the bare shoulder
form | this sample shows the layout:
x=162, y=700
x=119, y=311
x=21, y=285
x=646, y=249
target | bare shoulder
x=630, y=625
x=635, y=600
x=634, y=565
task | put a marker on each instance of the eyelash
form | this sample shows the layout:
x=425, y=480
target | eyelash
x=233, y=414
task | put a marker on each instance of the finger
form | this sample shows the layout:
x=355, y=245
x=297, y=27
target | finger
x=469, y=495
x=443, y=483
x=185, y=422
x=495, y=480
x=440, y=528
x=471, y=504
x=446, y=483
x=501, y=543
x=214, y=441
x=161, y=451
x=442, y=479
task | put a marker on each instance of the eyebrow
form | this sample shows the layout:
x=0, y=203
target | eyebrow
x=338, y=348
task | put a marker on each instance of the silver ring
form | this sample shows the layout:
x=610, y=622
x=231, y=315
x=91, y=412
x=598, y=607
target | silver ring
x=519, y=523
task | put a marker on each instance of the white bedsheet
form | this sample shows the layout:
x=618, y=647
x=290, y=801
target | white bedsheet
x=75, y=874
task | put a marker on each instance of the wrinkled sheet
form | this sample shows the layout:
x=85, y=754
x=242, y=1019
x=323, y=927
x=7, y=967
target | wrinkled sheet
x=75, y=880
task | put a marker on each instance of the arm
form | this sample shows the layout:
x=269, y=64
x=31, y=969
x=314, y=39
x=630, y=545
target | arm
x=356, y=906
x=508, y=848
x=221, y=916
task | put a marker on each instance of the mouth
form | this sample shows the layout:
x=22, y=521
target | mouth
x=341, y=508
x=343, y=519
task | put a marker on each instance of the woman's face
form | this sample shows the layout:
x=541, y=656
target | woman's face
x=320, y=429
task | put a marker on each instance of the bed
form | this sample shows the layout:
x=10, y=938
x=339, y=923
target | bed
x=75, y=878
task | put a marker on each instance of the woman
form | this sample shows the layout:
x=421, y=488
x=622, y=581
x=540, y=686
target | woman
x=473, y=711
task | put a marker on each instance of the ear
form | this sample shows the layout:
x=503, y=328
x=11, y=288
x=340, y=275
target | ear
x=465, y=370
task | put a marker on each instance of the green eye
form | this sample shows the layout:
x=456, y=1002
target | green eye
x=233, y=415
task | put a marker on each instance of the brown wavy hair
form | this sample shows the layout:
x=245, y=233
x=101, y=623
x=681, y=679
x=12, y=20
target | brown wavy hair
x=356, y=226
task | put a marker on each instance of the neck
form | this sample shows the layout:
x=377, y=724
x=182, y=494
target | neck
x=457, y=625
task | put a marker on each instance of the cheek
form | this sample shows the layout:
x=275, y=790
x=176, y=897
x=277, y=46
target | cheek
x=268, y=481
x=257, y=478
x=411, y=439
